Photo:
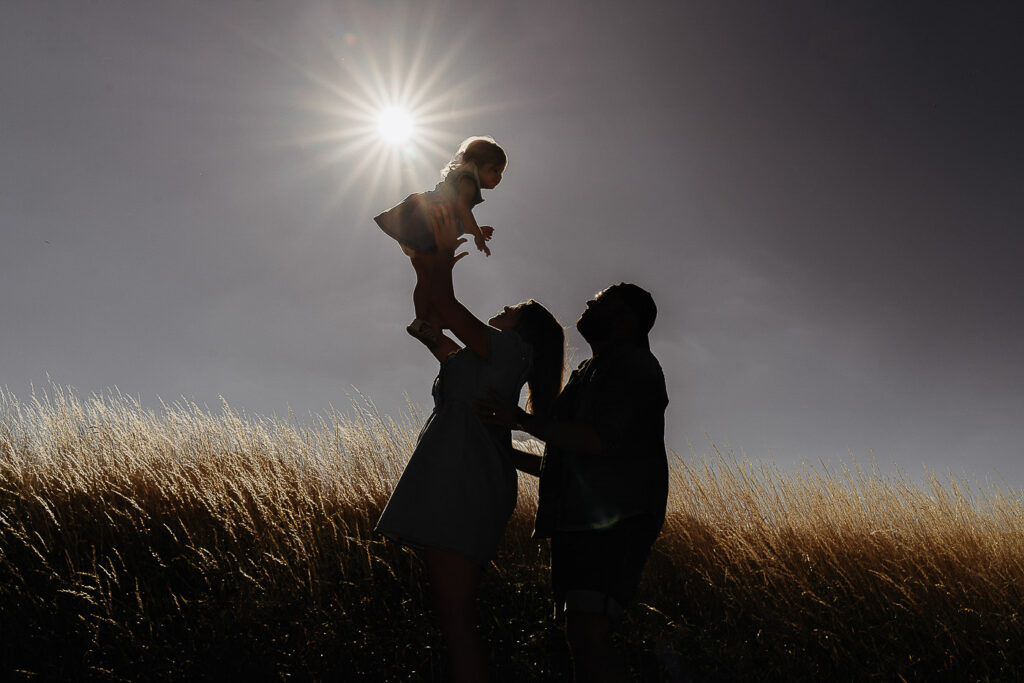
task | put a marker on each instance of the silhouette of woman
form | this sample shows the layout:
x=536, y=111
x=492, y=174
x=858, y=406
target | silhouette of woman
x=459, y=488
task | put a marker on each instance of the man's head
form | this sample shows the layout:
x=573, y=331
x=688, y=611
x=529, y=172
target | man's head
x=619, y=313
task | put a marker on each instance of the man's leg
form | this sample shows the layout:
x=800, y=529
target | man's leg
x=594, y=659
x=594, y=575
x=580, y=578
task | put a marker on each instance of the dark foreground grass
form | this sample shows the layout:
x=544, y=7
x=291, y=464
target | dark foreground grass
x=184, y=545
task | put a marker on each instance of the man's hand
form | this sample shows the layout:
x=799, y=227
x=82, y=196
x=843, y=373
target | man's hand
x=577, y=436
x=497, y=411
x=481, y=244
x=487, y=231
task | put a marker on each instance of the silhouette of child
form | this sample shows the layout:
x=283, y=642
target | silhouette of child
x=478, y=165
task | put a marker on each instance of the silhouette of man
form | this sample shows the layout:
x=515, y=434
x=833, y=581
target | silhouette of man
x=604, y=473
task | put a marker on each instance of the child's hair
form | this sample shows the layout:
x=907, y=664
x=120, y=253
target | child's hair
x=478, y=149
x=541, y=331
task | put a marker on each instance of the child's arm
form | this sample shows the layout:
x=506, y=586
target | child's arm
x=467, y=190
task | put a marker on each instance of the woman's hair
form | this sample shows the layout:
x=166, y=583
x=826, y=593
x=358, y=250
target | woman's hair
x=480, y=150
x=541, y=330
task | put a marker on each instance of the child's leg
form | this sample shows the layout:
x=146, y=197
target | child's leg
x=422, y=263
x=427, y=326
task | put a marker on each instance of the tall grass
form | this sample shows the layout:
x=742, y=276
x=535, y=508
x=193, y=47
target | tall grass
x=187, y=543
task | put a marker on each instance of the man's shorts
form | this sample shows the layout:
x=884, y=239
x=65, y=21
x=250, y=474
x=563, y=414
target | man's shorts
x=599, y=571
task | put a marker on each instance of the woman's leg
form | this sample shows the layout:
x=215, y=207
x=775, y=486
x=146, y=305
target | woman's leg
x=454, y=580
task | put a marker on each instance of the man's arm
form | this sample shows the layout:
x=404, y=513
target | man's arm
x=576, y=436
x=620, y=412
x=528, y=463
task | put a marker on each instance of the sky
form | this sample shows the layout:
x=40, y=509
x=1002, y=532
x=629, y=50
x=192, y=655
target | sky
x=825, y=200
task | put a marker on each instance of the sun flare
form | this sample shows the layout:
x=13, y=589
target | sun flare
x=395, y=125
x=384, y=118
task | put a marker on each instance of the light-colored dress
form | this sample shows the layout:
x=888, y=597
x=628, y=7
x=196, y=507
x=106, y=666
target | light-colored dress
x=409, y=222
x=459, y=488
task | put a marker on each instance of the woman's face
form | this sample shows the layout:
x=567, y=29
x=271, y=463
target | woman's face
x=509, y=317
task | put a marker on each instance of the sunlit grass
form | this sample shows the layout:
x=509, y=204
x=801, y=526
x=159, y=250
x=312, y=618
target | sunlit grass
x=184, y=541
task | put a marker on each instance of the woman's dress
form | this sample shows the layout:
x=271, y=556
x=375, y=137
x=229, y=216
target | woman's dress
x=459, y=488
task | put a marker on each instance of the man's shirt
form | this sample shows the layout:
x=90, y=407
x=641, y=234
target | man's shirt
x=621, y=395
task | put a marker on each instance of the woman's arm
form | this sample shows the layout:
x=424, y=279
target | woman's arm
x=456, y=317
x=445, y=347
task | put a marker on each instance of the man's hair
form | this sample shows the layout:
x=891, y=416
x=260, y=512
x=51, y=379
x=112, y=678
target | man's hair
x=640, y=304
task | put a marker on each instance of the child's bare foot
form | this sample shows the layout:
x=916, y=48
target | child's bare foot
x=423, y=331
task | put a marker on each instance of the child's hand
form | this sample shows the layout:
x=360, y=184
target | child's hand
x=487, y=231
x=481, y=244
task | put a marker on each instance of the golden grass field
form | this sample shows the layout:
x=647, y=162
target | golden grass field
x=186, y=543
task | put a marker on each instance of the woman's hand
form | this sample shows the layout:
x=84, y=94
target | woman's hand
x=446, y=236
x=498, y=411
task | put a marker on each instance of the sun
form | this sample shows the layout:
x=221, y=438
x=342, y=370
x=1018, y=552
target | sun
x=382, y=119
x=395, y=125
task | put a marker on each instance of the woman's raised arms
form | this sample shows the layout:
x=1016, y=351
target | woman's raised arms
x=474, y=333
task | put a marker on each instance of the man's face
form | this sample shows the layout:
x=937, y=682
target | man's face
x=598, y=321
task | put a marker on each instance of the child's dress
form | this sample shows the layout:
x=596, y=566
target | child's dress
x=409, y=222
